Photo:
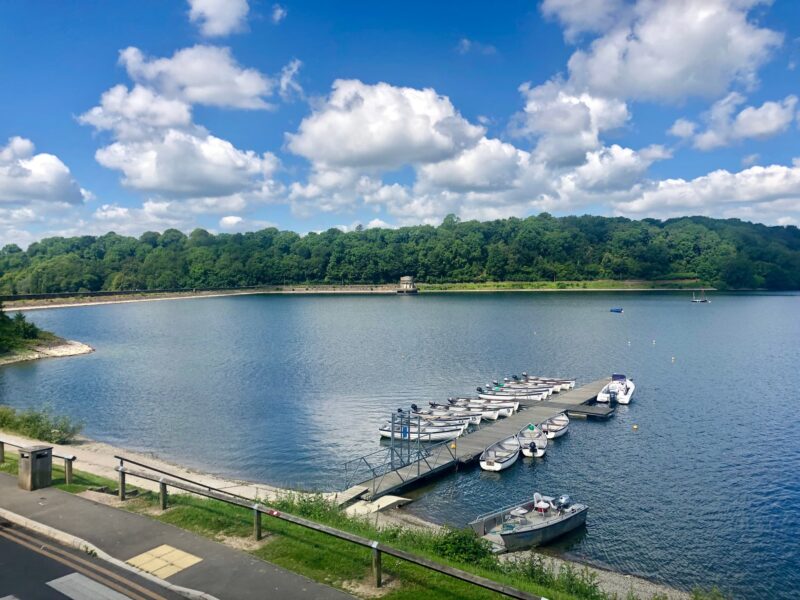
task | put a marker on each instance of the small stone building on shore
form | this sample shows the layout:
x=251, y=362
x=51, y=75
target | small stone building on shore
x=407, y=285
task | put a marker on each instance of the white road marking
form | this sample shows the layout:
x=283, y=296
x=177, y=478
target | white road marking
x=80, y=587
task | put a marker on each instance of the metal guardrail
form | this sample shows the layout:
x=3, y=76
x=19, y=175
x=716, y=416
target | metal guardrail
x=68, y=460
x=165, y=480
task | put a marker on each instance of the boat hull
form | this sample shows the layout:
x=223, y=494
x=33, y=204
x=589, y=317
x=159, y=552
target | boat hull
x=492, y=465
x=551, y=435
x=538, y=535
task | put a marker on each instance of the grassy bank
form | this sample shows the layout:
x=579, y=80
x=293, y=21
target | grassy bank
x=346, y=566
x=595, y=285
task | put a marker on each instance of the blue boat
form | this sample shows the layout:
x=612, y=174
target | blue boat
x=616, y=310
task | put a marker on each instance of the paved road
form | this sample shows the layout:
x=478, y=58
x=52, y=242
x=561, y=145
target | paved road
x=35, y=568
x=222, y=572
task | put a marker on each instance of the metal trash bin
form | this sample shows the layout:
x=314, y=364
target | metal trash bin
x=35, y=467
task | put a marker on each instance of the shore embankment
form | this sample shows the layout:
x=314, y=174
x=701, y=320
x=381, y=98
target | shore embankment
x=98, y=459
x=10, y=304
x=50, y=350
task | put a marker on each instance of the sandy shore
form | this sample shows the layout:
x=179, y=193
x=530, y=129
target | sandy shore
x=68, y=348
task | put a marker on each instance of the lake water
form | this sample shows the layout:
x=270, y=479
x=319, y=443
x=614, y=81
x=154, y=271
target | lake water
x=283, y=389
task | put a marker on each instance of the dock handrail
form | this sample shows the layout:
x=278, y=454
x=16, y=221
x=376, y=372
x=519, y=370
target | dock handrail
x=378, y=548
x=68, y=460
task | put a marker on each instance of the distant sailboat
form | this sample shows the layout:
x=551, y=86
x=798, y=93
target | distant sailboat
x=702, y=298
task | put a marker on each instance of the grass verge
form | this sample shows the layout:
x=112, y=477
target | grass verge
x=346, y=566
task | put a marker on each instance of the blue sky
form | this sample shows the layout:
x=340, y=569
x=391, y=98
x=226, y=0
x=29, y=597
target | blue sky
x=233, y=114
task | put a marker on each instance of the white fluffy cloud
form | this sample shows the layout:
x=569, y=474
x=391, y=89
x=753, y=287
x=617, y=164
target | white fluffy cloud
x=382, y=127
x=489, y=165
x=184, y=164
x=581, y=16
x=218, y=17
x=667, y=51
x=768, y=189
x=568, y=124
x=201, y=74
x=27, y=177
x=136, y=113
x=278, y=13
x=726, y=125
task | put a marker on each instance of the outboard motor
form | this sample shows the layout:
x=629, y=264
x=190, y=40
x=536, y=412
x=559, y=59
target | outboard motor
x=525, y=374
x=494, y=382
x=506, y=379
x=480, y=389
x=515, y=377
x=563, y=502
x=415, y=408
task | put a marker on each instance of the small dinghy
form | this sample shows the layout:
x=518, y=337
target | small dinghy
x=432, y=414
x=556, y=426
x=531, y=523
x=620, y=389
x=501, y=455
x=533, y=441
x=427, y=433
x=520, y=394
x=615, y=310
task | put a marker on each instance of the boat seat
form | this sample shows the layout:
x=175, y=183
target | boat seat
x=518, y=512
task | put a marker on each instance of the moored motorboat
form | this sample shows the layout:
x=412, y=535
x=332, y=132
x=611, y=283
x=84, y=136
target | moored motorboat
x=533, y=441
x=620, y=389
x=427, y=433
x=531, y=523
x=501, y=455
x=556, y=426
x=496, y=394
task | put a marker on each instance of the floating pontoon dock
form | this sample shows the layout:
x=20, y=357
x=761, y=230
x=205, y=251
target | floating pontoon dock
x=469, y=447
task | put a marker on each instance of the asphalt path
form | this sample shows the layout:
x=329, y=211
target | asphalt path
x=36, y=568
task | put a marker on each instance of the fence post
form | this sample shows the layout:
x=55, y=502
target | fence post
x=2, y=453
x=162, y=494
x=256, y=523
x=121, y=483
x=376, y=564
x=68, y=469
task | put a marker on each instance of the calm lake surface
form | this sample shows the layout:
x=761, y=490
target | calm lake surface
x=284, y=389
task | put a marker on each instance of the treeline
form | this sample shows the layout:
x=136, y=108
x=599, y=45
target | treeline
x=724, y=253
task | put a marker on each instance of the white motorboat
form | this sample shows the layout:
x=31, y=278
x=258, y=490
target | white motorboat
x=485, y=411
x=620, y=389
x=533, y=441
x=427, y=433
x=521, y=395
x=509, y=402
x=531, y=523
x=432, y=414
x=501, y=455
x=556, y=426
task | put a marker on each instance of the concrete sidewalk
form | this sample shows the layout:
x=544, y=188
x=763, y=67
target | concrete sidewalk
x=222, y=572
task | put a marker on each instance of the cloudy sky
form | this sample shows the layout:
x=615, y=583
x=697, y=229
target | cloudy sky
x=234, y=115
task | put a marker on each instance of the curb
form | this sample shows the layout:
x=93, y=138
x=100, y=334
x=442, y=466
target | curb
x=84, y=546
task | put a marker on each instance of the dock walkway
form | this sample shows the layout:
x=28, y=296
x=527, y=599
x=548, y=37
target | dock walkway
x=469, y=447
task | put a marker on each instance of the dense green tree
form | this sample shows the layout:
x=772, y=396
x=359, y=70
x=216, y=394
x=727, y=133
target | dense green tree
x=727, y=253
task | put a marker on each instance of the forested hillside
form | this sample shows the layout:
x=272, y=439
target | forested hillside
x=724, y=253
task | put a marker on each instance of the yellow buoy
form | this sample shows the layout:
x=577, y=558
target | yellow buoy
x=635, y=427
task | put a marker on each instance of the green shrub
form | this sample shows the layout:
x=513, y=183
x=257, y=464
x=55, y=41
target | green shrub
x=39, y=425
x=462, y=545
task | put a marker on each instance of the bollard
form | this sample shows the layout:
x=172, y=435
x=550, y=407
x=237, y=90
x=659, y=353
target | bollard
x=121, y=484
x=162, y=494
x=256, y=523
x=68, y=469
x=376, y=564
x=2, y=453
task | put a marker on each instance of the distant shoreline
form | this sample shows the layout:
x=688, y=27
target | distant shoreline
x=390, y=290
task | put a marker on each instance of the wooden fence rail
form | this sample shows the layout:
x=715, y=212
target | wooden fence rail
x=166, y=480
